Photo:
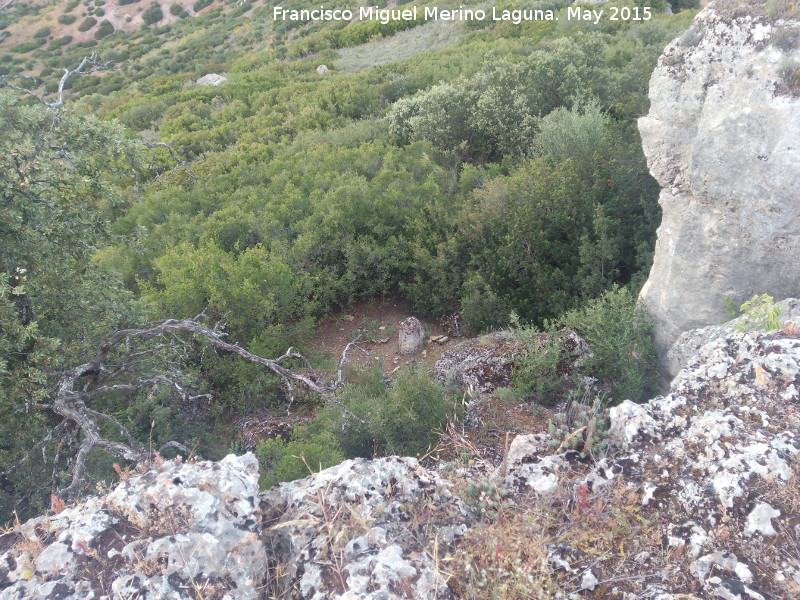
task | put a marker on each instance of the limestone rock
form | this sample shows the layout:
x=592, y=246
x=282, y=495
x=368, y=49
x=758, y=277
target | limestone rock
x=322, y=69
x=162, y=534
x=482, y=364
x=411, y=335
x=721, y=138
x=532, y=464
x=729, y=426
x=356, y=526
x=689, y=342
x=212, y=79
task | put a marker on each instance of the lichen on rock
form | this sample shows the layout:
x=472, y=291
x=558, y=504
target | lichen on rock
x=175, y=528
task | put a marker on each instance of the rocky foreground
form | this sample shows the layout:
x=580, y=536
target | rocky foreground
x=697, y=496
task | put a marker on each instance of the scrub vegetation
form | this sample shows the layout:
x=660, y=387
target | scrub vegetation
x=496, y=168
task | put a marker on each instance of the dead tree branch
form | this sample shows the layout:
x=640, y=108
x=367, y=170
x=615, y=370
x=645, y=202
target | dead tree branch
x=6, y=5
x=87, y=66
x=119, y=357
x=179, y=162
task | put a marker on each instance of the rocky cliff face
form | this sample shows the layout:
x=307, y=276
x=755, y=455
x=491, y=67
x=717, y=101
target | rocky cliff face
x=723, y=139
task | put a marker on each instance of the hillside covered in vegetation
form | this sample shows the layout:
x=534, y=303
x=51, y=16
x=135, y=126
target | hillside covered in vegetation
x=483, y=168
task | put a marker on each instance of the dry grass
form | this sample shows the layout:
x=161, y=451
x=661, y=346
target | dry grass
x=405, y=44
x=504, y=560
x=772, y=10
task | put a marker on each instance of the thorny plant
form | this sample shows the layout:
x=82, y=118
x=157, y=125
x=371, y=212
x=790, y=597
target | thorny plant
x=582, y=426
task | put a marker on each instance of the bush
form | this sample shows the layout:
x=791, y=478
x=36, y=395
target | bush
x=402, y=420
x=201, y=4
x=536, y=370
x=572, y=133
x=67, y=19
x=153, y=14
x=42, y=33
x=286, y=461
x=177, y=10
x=481, y=308
x=59, y=42
x=87, y=24
x=104, y=30
x=415, y=410
x=24, y=47
x=620, y=337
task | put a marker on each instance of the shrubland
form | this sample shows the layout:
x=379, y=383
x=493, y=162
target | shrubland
x=499, y=172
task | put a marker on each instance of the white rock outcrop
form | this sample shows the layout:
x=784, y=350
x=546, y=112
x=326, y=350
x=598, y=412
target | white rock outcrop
x=723, y=139
x=353, y=531
x=167, y=533
x=212, y=79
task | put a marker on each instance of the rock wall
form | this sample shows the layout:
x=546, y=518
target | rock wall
x=723, y=139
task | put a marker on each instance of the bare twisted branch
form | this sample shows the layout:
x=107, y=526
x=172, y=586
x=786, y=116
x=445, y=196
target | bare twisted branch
x=73, y=392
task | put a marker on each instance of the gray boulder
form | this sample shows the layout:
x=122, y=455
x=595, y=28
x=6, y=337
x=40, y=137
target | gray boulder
x=689, y=342
x=721, y=138
x=411, y=335
x=353, y=531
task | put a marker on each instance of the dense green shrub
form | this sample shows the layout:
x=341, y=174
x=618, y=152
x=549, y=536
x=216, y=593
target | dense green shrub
x=536, y=370
x=572, y=134
x=481, y=308
x=105, y=29
x=24, y=47
x=60, y=42
x=67, y=19
x=153, y=14
x=42, y=32
x=303, y=454
x=87, y=24
x=415, y=410
x=620, y=337
x=177, y=10
x=403, y=419
x=201, y=4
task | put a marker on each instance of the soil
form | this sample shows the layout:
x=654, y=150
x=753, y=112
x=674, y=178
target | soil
x=375, y=324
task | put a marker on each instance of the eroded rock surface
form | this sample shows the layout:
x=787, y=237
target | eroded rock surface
x=719, y=459
x=363, y=530
x=177, y=531
x=411, y=335
x=721, y=138
x=689, y=342
x=212, y=79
